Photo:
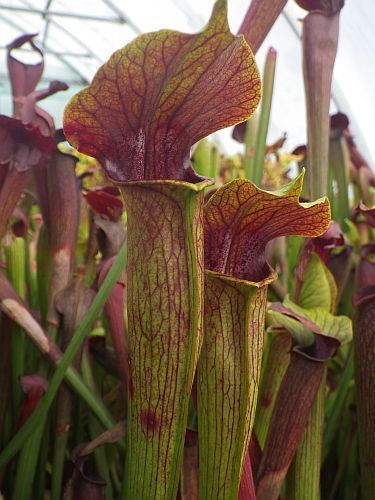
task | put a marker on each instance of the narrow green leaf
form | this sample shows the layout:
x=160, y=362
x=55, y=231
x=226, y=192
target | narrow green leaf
x=94, y=427
x=339, y=162
x=26, y=465
x=249, y=145
x=264, y=117
x=215, y=161
x=333, y=418
x=15, y=258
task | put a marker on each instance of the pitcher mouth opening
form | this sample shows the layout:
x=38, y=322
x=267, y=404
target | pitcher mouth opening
x=197, y=186
x=267, y=280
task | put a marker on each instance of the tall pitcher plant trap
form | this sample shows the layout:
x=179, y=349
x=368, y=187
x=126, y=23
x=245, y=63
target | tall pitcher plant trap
x=145, y=108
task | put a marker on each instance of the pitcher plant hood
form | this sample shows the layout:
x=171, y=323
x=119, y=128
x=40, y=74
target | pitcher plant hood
x=240, y=219
x=159, y=95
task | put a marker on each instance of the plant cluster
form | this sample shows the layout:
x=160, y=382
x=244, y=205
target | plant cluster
x=175, y=322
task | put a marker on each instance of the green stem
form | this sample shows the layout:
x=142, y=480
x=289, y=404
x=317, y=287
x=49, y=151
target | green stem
x=26, y=465
x=5, y=372
x=349, y=487
x=43, y=259
x=339, y=161
x=42, y=469
x=264, y=117
x=15, y=257
x=214, y=161
x=31, y=273
x=333, y=420
x=63, y=422
x=343, y=480
x=34, y=450
x=332, y=195
x=303, y=480
x=100, y=451
x=114, y=475
x=41, y=448
x=250, y=138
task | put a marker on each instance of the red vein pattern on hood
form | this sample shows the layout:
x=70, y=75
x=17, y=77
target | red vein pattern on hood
x=159, y=95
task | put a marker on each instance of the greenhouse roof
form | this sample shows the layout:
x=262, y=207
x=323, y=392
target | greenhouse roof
x=78, y=36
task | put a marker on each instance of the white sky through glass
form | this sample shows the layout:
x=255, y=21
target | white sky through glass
x=78, y=46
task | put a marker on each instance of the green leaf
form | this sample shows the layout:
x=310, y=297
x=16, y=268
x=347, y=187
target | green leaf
x=202, y=157
x=318, y=287
x=264, y=117
x=303, y=323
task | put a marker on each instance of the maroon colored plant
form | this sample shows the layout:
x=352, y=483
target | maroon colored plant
x=34, y=386
x=27, y=139
x=328, y=7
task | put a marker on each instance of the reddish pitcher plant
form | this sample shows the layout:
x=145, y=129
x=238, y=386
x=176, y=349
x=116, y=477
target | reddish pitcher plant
x=321, y=24
x=240, y=219
x=25, y=139
x=364, y=343
x=139, y=117
x=316, y=336
x=143, y=111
